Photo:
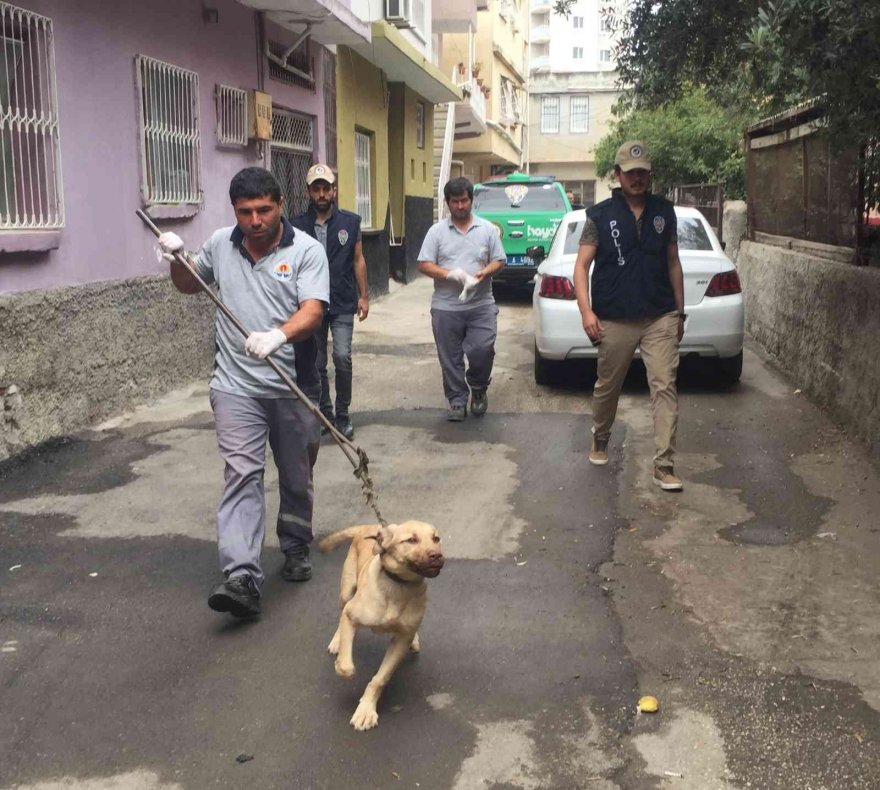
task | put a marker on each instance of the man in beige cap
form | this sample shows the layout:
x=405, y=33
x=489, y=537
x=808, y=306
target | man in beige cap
x=340, y=234
x=635, y=299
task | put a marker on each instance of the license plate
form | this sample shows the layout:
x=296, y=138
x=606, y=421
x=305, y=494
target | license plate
x=519, y=260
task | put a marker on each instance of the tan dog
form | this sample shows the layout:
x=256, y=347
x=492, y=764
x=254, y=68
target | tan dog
x=383, y=588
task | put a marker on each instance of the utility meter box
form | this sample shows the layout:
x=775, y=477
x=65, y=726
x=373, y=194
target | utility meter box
x=260, y=115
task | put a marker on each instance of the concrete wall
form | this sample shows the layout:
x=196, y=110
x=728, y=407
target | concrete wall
x=821, y=321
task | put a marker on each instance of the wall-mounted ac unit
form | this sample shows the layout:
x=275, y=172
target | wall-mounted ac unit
x=399, y=12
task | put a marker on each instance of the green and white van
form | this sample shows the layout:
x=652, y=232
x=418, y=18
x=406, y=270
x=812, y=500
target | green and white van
x=526, y=210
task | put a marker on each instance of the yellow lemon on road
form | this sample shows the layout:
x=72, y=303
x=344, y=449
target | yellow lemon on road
x=649, y=705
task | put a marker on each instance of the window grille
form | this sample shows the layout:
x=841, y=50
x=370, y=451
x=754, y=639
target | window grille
x=292, y=154
x=330, y=106
x=170, y=141
x=420, y=125
x=550, y=114
x=30, y=153
x=579, y=114
x=232, y=115
x=298, y=69
x=362, y=179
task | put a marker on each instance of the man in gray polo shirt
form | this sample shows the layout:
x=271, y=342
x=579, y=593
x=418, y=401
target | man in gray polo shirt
x=276, y=281
x=461, y=253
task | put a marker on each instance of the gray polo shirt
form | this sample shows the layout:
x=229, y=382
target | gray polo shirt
x=473, y=250
x=263, y=294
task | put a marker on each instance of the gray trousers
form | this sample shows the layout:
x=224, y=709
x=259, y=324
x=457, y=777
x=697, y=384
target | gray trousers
x=461, y=334
x=243, y=426
x=341, y=329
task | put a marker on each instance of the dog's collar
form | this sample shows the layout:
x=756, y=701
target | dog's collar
x=399, y=579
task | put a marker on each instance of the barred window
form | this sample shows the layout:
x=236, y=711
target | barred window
x=232, y=115
x=30, y=154
x=363, y=186
x=550, y=114
x=579, y=114
x=298, y=68
x=170, y=140
x=293, y=146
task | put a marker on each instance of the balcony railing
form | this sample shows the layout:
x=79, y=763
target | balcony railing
x=540, y=34
x=474, y=96
x=540, y=63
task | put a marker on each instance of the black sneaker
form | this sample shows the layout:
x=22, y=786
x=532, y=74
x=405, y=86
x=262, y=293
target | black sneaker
x=239, y=596
x=344, y=426
x=297, y=567
x=479, y=402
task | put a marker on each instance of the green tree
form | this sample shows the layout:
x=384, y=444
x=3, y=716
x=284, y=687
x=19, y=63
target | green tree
x=691, y=139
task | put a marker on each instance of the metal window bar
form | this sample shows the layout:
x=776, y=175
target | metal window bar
x=297, y=69
x=550, y=114
x=30, y=152
x=232, y=128
x=579, y=120
x=329, y=65
x=363, y=191
x=170, y=140
x=292, y=154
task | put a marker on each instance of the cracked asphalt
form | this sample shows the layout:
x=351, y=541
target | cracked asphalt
x=748, y=604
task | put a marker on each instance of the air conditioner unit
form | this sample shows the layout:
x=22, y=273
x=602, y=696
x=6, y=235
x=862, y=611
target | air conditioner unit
x=399, y=12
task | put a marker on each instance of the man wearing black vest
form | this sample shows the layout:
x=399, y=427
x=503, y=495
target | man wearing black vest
x=635, y=299
x=340, y=233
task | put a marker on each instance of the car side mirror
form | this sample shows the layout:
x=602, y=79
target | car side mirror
x=537, y=254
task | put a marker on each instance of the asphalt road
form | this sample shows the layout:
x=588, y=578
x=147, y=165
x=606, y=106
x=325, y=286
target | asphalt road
x=747, y=604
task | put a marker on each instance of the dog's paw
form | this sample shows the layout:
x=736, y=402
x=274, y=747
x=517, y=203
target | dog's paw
x=415, y=646
x=333, y=647
x=346, y=672
x=365, y=718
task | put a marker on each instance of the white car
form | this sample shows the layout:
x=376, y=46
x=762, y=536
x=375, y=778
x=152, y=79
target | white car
x=712, y=296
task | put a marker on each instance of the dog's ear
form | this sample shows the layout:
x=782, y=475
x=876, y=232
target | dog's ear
x=383, y=539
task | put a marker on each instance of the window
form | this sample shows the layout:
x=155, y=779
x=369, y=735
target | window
x=30, y=155
x=550, y=114
x=298, y=68
x=420, y=125
x=577, y=22
x=605, y=25
x=509, y=103
x=231, y=115
x=363, y=190
x=584, y=194
x=604, y=55
x=170, y=140
x=329, y=66
x=292, y=152
x=535, y=197
x=577, y=53
x=579, y=114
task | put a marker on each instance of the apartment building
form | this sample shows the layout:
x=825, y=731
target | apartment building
x=572, y=89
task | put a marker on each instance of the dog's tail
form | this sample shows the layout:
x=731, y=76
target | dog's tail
x=336, y=539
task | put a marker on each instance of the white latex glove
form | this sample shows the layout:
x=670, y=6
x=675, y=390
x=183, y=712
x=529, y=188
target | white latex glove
x=457, y=276
x=261, y=344
x=169, y=243
x=470, y=288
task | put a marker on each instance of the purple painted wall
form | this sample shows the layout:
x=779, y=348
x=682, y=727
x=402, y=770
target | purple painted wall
x=95, y=45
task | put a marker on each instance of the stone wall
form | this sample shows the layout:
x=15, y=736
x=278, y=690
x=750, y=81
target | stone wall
x=72, y=357
x=820, y=320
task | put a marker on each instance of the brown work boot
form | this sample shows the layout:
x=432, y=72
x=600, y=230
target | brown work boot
x=666, y=479
x=599, y=452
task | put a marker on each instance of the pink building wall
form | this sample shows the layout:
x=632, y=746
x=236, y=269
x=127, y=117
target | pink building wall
x=95, y=45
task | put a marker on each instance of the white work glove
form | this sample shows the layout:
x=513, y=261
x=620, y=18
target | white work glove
x=457, y=276
x=470, y=288
x=169, y=243
x=261, y=344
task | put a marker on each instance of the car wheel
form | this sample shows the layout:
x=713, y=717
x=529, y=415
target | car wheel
x=545, y=369
x=729, y=369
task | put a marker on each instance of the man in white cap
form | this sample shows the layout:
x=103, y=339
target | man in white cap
x=635, y=299
x=340, y=234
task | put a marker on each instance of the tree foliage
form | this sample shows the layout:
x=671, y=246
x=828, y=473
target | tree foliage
x=692, y=140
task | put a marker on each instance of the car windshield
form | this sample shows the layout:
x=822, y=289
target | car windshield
x=691, y=235
x=518, y=197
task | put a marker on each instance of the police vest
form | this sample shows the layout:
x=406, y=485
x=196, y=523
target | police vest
x=630, y=277
x=343, y=231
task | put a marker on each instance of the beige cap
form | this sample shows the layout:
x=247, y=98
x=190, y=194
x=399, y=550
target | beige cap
x=320, y=173
x=632, y=155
